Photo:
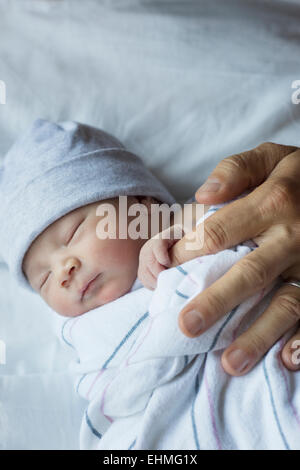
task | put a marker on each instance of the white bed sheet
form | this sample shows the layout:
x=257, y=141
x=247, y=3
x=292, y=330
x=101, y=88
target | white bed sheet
x=181, y=83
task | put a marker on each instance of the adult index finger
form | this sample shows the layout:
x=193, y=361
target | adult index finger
x=249, y=275
x=236, y=222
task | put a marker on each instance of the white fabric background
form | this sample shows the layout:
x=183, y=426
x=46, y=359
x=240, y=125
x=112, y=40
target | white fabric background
x=181, y=83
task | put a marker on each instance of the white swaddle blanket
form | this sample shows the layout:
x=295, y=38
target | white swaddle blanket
x=151, y=387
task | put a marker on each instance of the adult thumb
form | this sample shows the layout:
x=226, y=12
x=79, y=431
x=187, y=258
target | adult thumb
x=242, y=171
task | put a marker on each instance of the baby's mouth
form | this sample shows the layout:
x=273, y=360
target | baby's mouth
x=90, y=286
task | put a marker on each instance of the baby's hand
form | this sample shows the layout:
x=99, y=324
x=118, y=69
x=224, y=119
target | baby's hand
x=154, y=256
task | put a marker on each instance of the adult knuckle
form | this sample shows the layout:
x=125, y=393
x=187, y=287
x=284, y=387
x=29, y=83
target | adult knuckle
x=258, y=344
x=262, y=151
x=286, y=187
x=271, y=148
x=289, y=305
x=266, y=147
x=289, y=234
x=253, y=271
x=215, y=236
x=213, y=306
x=236, y=162
x=265, y=153
x=283, y=198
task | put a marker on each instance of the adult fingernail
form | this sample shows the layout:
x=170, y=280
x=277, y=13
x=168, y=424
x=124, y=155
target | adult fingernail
x=238, y=360
x=212, y=185
x=193, y=322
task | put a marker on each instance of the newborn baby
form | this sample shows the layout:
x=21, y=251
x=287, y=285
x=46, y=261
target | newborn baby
x=148, y=385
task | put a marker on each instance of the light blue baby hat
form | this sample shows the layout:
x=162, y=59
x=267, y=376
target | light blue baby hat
x=54, y=168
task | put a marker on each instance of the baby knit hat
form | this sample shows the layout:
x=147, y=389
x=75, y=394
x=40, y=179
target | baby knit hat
x=54, y=168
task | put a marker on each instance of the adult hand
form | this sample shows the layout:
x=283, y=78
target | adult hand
x=270, y=215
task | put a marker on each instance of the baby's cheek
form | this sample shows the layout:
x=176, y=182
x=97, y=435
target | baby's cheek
x=127, y=249
x=62, y=306
x=112, y=291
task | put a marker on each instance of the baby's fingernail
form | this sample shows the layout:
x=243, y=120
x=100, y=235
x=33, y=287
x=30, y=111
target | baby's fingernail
x=193, y=322
x=212, y=185
x=238, y=360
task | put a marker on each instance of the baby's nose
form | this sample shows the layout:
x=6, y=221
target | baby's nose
x=66, y=279
x=67, y=272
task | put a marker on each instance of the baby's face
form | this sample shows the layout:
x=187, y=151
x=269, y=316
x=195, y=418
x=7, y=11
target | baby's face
x=64, y=258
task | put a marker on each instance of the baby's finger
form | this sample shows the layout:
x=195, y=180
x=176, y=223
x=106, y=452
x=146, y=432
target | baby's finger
x=161, y=253
x=291, y=353
x=281, y=315
x=155, y=268
x=147, y=279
